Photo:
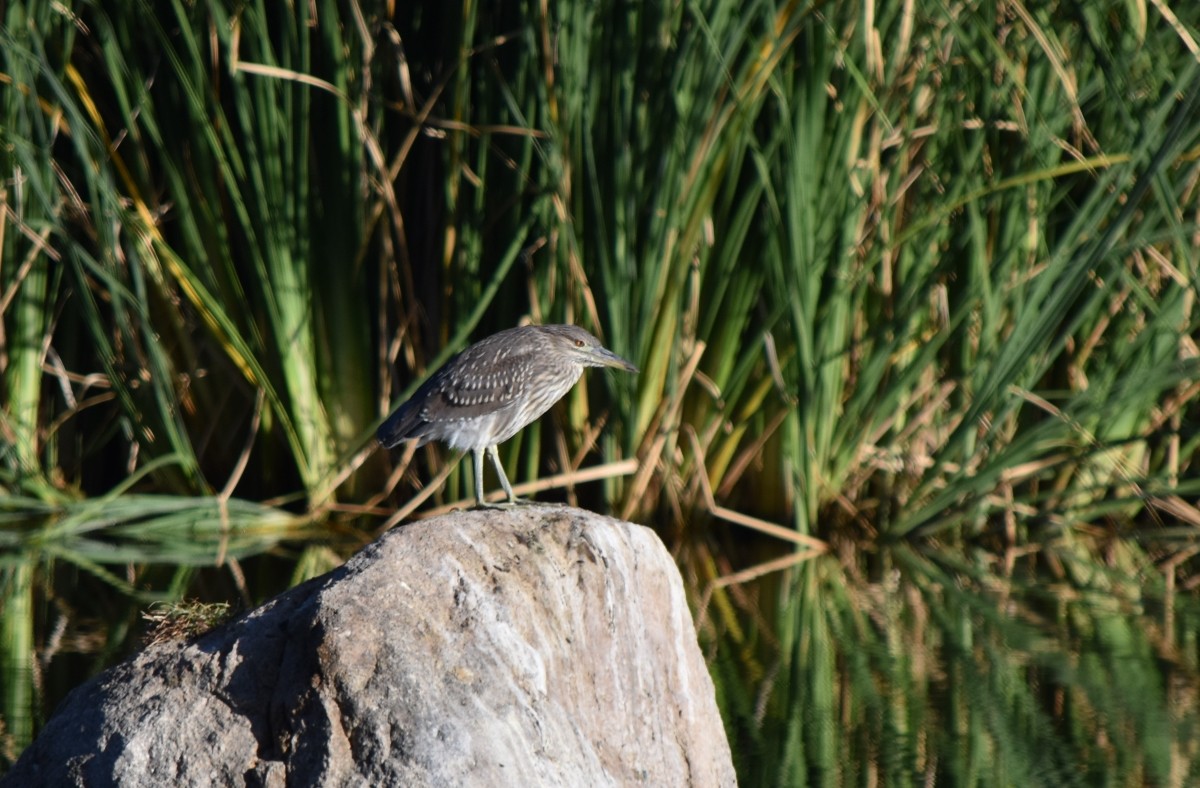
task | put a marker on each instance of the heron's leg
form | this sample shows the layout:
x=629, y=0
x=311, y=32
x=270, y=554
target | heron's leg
x=512, y=497
x=477, y=461
x=508, y=490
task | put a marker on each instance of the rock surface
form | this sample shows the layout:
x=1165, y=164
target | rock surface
x=533, y=646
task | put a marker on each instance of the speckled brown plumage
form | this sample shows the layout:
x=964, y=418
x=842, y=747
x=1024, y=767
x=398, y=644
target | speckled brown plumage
x=494, y=388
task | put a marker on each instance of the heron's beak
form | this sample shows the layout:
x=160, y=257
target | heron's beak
x=603, y=357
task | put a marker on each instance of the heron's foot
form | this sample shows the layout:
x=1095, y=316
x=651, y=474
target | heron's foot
x=506, y=504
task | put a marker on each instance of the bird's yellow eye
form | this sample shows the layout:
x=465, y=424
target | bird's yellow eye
x=579, y=343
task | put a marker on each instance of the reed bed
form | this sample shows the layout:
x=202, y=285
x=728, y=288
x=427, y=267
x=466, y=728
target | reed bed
x=912, y=290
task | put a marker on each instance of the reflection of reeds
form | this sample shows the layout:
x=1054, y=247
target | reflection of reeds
x=912, y=290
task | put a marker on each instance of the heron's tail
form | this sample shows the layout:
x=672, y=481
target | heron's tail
x=398, y=427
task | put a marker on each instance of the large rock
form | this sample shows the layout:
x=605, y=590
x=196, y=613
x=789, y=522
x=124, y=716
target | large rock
x=532, y=646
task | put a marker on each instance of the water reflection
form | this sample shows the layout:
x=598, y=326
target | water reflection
x=954, y=666
x=75, y=580
x=896, y=666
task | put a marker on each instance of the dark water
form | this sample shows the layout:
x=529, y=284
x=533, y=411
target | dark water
x=921, y=669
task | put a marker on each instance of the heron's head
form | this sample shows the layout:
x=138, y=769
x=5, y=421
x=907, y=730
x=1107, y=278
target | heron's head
x=583, y=348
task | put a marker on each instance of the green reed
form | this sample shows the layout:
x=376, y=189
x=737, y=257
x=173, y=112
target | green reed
x=912, y=284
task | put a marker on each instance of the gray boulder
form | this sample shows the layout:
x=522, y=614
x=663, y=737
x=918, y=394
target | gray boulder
x=531, y=646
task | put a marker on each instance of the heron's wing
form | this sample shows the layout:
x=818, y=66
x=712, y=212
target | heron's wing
x=513, y=380
x=482, y=380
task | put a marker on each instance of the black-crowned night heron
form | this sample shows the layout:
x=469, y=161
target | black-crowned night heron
x=490, y=391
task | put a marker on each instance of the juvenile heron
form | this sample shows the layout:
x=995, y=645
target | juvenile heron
x=493, y=389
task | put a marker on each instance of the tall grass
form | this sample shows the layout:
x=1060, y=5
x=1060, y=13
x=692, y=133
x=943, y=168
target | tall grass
x=911, y=289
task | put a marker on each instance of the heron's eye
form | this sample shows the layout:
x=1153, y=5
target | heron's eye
x=579, y=343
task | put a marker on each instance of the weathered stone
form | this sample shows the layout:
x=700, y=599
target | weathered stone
x=532, y=646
